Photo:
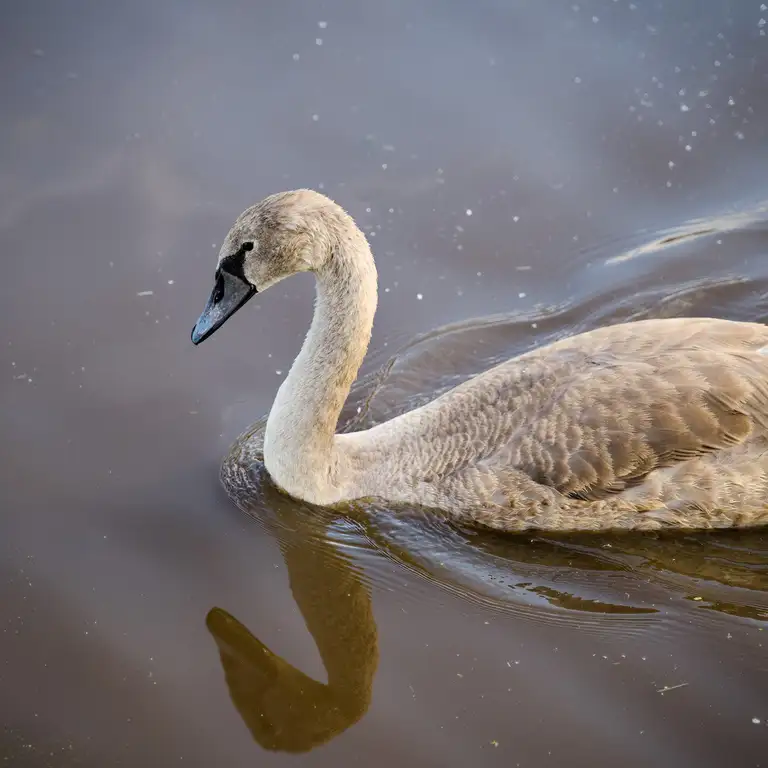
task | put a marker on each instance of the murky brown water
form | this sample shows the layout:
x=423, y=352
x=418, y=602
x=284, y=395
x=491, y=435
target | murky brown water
x=551, y=165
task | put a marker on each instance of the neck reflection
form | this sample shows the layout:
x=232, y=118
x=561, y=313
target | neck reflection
x=285, y=709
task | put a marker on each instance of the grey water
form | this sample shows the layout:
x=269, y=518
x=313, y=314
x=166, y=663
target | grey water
x=523, y=171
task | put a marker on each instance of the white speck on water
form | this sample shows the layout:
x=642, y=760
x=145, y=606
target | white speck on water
x=717, y=63
x=279, y=373
x=577, y=80
x=756, y=720
x=761, y=23
x=170, y=282
x=322, y=24
x=145, y=293
x=684, y=108
x=38, y=52
x=315, y=118
x=468, y=211
x=296, y=57
x=318, y=41
x=595, y=19
x=731, y=102
x=384, y=166
x=688, y=147
x=764, y=7
x=213, y=245
x=419, y=296
x=523, y=267
x=521, y=294
x=367, y=210
x=669, y=184
x=739, y=135
x=671, y=163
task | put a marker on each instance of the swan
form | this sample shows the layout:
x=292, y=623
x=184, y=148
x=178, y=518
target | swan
x=642, y=425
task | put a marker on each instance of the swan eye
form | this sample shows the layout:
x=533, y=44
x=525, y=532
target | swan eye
x=247, y=246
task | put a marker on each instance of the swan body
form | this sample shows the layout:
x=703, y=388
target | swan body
x=643, y=425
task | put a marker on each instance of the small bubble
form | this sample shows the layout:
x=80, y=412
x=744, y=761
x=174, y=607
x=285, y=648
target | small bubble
x=576, y=80
x=684, y=108
x=315, y=118
x=688, y=147
x=318, y=41
x=322, y=24
x=419, y=296
x=468, y=211
x=296, y=57
x=522, y=295
x=756, y=720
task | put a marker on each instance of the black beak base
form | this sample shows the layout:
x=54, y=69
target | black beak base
x=228, y=295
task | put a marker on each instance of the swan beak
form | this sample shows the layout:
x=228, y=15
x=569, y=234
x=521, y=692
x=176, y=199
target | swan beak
x=228, y=295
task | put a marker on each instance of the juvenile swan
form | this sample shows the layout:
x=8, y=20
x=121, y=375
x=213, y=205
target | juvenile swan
x=645, y=425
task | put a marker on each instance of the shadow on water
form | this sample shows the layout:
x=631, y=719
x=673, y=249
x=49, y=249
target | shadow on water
x=622, y=583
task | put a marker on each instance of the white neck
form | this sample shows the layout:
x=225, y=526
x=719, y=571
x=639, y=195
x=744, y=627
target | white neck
x=300, y=450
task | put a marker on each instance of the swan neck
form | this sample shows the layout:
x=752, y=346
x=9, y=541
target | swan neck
x=299, y=446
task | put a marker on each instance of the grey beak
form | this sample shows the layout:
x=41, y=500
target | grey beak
x=228, y=295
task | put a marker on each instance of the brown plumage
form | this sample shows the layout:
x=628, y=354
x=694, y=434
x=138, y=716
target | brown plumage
x=650, y=424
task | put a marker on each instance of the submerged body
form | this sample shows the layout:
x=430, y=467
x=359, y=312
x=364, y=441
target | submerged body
x=650, y=424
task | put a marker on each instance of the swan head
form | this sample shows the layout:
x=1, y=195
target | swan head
x=282, y=235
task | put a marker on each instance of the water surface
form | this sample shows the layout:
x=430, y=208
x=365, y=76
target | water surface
x=545, y=167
